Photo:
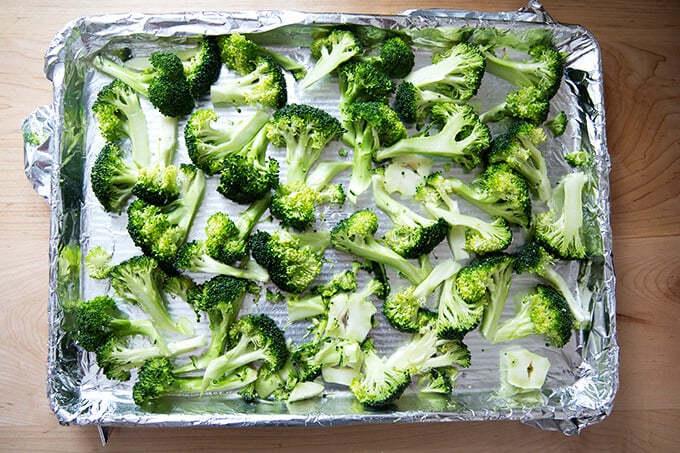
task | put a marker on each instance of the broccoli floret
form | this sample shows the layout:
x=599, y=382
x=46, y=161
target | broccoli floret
x=413, y=104
x=462, y=137
x=527, y=103
x=404, y=309
x=396, y=58
x=178, y=286
x=117, y=358
x=160, y=230
x=455, y=316
x=278, y=385
x=310, y=359
x=304, y=131
x=157, y=379
x=265, y=86
x=349, y=315
x=292, y=260
x=220, y=298
x=542, y=311
x=202, y=66
x=413, y=235
x=139, y=280
x=119, y=115
x=98, y=262
x=487, y=277
x=239, y=54
x=249, y=176
x=543, y=69
x=193, y=257
x=533, y=258
x=438, y=381
x=498, y=191
x=99, y=318
x=557, y=124
x=208, y=146
x=480, y=236
x=560, y=229
x=355, y=235
x=457, y=73
x=163, y=83
x=112, y=177
x=330, y=52
x=227, y=239
x=361, y=82
x=577, y=158
x=518, y=148
x=370, y=126
x=381, y=382
x=252, y=338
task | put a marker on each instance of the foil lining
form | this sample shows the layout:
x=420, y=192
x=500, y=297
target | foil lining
x=59, y=144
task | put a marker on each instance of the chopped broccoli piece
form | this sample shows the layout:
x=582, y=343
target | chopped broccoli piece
x=265, y=85
x=310, y=359
x=526, y=103
x=542, y=311
x=98, y=262
x=560, y=229
x=462, y=137
x=577, y=158
x=518, y=148
x=239, y=54
x=164, y=83
x=194, y=257
x=370, y=126
x=522, y=375
x=113, y=176
x=208, y=146
x=361, y=82
x=202, y=66
x=252, y=338
x=457, y=73
x=455, y=316
x=349, y=315
x=293, y=260
x=413, y=235
x=395, y=59
x=413, y=104
x=557, y=124
x=331, y=51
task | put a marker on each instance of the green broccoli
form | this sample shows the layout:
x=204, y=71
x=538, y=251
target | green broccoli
x=395, y=58
x=457, y=73
x=311, y=359
x=542, y=311
x=455, y=316
x=331, y=51
x=239, y=54
x=361, y=82
x=498, y=191
x=577, y=158
x=370, y=126
x=462, y=137
x=208, y=146
x=194, y=256
x=349, y=315
x=98, y=262
x=413, y=104
x=522, y=375
x=202, y=66
x=404, y=309
x=413, y=235
x=119, y=115
x=526, y=103
x=557, y=124
x=533, y=258
x=157, y=378
x=560, y=229
x=252, y=338
x=265, y=85
x=355, y=235
x=543, y=69
x=292, y=260
x=112, y=177
x=163, y=83
x=160, y=230
x=518, y=148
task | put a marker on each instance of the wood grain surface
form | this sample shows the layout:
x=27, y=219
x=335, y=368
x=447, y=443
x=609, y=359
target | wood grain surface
x=640, y=44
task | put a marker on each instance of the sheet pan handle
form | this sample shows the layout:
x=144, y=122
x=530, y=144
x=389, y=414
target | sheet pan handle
x=38, y=131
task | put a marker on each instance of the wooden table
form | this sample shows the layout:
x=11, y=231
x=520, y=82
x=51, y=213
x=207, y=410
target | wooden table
x=641, y=55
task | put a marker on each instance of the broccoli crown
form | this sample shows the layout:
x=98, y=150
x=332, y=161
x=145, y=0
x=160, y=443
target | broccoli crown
x=455, y=316
x=207, y=146
x=330, y=52
x=360, y=81
x=155, y=379
x=518, y=149
x=157, y=185
x=224, y=241
x=396, y=58
x=380, y=384
x=438, y=380
x=543, y=69
x=220, y=297
x=292, y=265
x=245, y=181
x=294, y=204
x=113, y=177
x=413, y=104
x=558, y=124
x=169, y=90
x=526, y=103
x=560, y=229
x=238, y=53
x=542, y=311
x=116, y=360
x=373, y=125
x=265, y=85
x=98, y=262
x=203, y=68
x=304, y=131
x=462, y=137
x=477, y=278
x=457, y=73
x=577, y=158
x=119, y=115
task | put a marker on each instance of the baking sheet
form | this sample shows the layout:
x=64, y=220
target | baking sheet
x=583, y=379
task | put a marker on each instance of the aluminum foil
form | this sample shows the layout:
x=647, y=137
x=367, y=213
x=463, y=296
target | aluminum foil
x=60, y=142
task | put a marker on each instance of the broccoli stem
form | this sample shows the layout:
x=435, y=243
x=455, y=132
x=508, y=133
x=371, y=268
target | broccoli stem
x=305, y=307
x=324, y=173
x=234, y=358
x=374, y=251
x=498, y=292
x=234, y=91
x=517, y=72
x=399, y=213
x=166, y=141
x=581, y=316
x=300, y=159
x=218, y=340
x=135, y=79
